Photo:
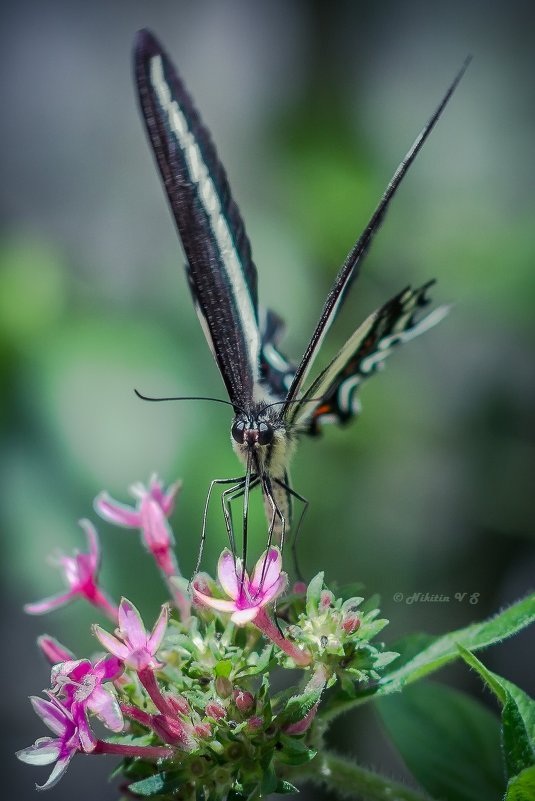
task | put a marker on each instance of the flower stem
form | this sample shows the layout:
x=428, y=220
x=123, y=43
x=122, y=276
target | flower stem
x=149, y=682
x=102, y=602
x=338, y=773
x=144, y=751
x=267, y=627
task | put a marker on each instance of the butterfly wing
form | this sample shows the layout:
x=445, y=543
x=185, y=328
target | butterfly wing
x=335, y=389
x=221, y=273
x=351, y=267
x=276, y=371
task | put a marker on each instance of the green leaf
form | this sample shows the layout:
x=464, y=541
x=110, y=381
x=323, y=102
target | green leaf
x=449, y=741
x=269, y=779
x=285, y=788
x=313, y=594
x=223, y=668
x=299, y=706
x=159, y=784
x=522, y=787
x=439, y=651
x=294, y=751
x=518, y=717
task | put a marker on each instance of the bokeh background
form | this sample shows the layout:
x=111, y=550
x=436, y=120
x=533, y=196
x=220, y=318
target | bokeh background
x=312, y=104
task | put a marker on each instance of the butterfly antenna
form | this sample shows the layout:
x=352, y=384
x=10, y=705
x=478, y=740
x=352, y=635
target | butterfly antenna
x=189, y=397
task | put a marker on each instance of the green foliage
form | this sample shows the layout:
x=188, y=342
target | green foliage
x=449, y=741
x=518, y=718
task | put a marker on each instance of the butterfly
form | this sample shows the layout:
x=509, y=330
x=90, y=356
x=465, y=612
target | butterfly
x=274, y=403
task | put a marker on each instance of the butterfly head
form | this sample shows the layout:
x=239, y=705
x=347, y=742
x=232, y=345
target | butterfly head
x=252, y=433
x=260, y=433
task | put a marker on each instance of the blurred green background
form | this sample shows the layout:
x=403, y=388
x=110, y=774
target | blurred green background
x=312, y=105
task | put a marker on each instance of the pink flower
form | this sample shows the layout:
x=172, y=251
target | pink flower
x=154, y=506
x=81, y=684
x=58, y=749
x=81, y=575
x=53, y=650
x=133, y=645
x=248, y=596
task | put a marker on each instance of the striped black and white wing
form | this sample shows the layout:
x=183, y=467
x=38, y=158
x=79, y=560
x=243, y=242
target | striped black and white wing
x=221, y=273
x=351, y=267
x=394, y=324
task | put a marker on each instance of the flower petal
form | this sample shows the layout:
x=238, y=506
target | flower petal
x=158, y=631
x=108, y=668
x=131, y=624
x=53, y=650
x=92, y=540
x=52, y=602
x=110, y=643
x=245, y=615
x=59, y=769
x=115, y=512
x=215, y=603
x=156, y=530
x=270, y=563
x=270, y=593
x=52, y=714
x=229, y=572
x=42, y=752
x=167, y=499
x=105, y=706
x=86, y=737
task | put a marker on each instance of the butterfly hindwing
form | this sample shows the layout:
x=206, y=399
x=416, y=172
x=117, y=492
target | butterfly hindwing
x=221, y=273
x=335, y=389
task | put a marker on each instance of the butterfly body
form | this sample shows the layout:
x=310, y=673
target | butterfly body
x=274, y=402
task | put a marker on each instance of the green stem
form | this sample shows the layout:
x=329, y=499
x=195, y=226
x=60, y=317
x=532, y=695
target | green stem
x=352, y=781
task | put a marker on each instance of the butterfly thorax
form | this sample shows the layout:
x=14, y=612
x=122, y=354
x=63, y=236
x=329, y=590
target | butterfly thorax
x=262, y=439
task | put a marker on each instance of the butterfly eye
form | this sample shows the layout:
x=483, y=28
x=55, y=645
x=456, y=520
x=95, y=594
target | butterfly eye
x=265, y=434
x=238, y=430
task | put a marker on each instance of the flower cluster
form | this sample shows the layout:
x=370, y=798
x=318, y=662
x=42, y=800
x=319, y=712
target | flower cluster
x=189, y=704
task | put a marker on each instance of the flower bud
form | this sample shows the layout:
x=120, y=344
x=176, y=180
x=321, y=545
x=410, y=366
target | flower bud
x=215, y=710
x=326, y=599
x=350, y=623
x=243, y=700
x=254, y=723
x=203, y=730
x=223, y=687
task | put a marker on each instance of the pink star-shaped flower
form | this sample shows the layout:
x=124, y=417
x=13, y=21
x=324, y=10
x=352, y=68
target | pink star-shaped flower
x=80, y=683
x=58, y=749
x=81, y=575
x=249, y=595
x=153, y=507
x=133, y=645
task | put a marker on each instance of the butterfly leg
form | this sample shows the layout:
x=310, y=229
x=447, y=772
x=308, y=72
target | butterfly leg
x=227, y=497
x=305, y=503
x=276, y=512
x=216, y=481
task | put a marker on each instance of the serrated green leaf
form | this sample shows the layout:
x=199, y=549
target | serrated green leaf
x=371, y=603
x=285, y=788
x=313, y=594
x=518, y=717
x=299, y=706
x=159, y=784
x=442, y=650
x=294, y=751
x=522, y=787
x=269, y=779
x=449, y=741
